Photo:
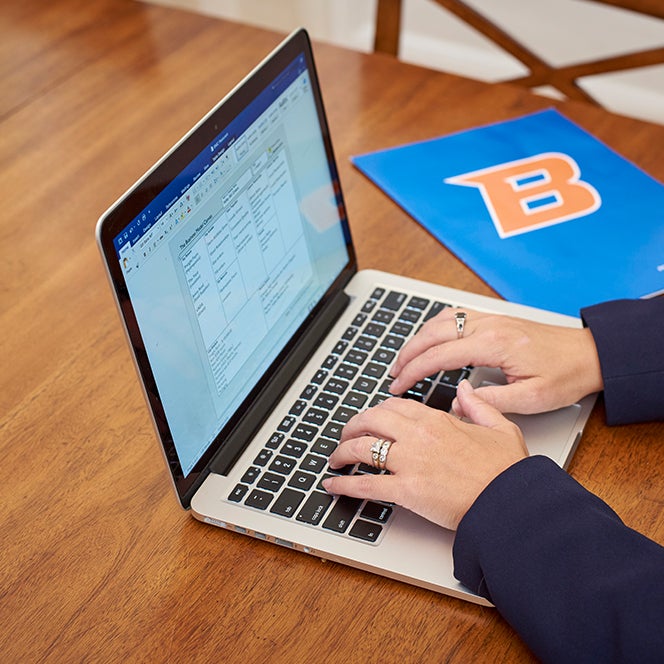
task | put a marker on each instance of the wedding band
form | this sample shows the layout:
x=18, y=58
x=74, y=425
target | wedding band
x=375, y=451
x=379, y=451
x=384, y=450
x=460, y=318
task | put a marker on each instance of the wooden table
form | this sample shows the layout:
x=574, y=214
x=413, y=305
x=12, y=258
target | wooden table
x=98, y=563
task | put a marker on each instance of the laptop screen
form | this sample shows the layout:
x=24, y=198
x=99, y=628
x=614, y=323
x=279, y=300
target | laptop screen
x=229, y=259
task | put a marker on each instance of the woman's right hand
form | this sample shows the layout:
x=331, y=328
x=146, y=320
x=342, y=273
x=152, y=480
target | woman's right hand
x=546, y=366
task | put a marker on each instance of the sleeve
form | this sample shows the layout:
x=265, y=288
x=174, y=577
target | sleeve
x=574, y=582
x=630, y=343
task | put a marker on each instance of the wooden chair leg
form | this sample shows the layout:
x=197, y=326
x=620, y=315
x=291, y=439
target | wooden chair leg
x=388, y=27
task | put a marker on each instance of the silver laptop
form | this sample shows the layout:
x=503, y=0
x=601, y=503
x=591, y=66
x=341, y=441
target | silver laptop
x=256, y=338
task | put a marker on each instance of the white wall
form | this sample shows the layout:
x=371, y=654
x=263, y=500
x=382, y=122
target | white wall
x=562, y=32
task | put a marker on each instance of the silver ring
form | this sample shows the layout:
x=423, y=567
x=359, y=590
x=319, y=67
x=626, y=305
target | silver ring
x=379, y=451
x=460, y=318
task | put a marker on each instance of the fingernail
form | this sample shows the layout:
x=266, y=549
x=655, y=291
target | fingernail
x=465, y=386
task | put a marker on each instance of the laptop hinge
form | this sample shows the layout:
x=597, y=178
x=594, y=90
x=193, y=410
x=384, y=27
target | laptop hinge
x=275, y=388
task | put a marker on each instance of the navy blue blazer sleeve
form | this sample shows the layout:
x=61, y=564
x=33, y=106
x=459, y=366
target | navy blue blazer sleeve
x=629, y=335
x=575, y=583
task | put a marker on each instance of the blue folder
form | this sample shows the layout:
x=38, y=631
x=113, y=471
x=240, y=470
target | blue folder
x=550, y=246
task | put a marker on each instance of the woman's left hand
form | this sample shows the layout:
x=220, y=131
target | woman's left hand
x=438, y=464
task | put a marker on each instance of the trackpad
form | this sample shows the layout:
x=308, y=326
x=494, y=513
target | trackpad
x=552, y=434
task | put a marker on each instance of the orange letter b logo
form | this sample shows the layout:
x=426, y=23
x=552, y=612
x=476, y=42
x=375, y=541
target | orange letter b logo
x=532, y=193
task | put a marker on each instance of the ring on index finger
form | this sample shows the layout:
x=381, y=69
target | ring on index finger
x=460, y=317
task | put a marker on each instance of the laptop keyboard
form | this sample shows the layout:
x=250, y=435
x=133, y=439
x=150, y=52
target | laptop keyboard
x=285, y=477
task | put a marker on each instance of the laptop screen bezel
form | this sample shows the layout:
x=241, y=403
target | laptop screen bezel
x=154, y=182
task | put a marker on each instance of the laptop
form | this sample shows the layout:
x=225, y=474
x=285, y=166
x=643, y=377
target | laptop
x=256, y=338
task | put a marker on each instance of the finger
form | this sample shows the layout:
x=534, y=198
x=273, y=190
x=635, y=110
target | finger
x=352, y=451
x=371, y=487
x=381, y=421
x=410, y=410
x=476, y=409
x=435, y=331
x=518, y=397
x=451, y=355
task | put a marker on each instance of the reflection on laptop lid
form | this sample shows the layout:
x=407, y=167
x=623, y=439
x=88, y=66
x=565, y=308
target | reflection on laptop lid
x=256, y=339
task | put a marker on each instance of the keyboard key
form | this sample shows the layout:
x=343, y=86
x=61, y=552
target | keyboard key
x=315, y=416
x=349, y=333
x=369, y=532
x=302, y=480
x=283, y=465
x=358, y=321
x=346, y=371
x=364, y=384
x=297, y=408
x=293, y=448
x=319, y=486
x=376, y=512
x=367, y=469
x=418, y=302
x=313, y=463
x=384, y=355
x=377, y=399
x=454, y=377
x=263, y=457
x=286, y=424
x=287, y=502
x=356, y=357
x=239, y=492
x=385, y=386
x=250, y=475
x=333, y=430
x=374, y=370
x=383, y=316
x=326, y=401
x=394, y=301
x=365, y=343
x=374, y=330
x=324, y=446
x=344, y=470
x=305, y=432
x=401, y=328
x=368, y=306
x=393, y=342
x=336, y=386
x=308, y=392
x=319, y=377
x=410, y=315
x=377, y=293
x=342, y=514
x=340, y=347
x=442, y=397
x=259, y=499
x=436, y=308
x=329, y=362
x=271, y=482
x=355, y=400
x=275, y=440
x=421, y=387
x=315, y=507
x=343, y=414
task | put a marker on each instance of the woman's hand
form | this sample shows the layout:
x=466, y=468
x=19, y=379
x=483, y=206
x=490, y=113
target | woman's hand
x=438, y=464
x=546, y=366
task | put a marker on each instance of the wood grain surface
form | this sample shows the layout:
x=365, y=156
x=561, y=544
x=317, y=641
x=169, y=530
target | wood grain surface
x=97, y=562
